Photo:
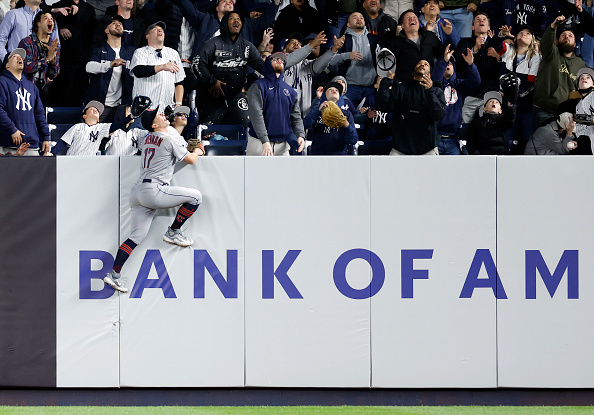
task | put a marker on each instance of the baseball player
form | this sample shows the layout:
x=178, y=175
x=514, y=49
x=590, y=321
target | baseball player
x=159, y=154
x=157, y=70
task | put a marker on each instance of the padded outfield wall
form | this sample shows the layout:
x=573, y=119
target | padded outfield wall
x=385, y=272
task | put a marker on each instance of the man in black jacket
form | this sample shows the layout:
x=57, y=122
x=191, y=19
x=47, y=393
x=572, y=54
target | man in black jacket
x=418, y=106
x=489, y=67
x=413, y=44
x=221, y=69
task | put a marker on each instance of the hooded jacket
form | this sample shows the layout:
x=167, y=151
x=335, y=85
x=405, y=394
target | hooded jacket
x=226, y=60
x=486, y=131
x=21, y=109
x=328, y=141
x=274, y=109
x=455, y=91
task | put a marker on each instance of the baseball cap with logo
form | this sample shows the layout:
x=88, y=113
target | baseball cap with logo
x=386, y=62
x=148, y=117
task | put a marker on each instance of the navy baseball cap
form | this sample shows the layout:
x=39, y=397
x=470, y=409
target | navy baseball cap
x=148, y=117
x=151, y=27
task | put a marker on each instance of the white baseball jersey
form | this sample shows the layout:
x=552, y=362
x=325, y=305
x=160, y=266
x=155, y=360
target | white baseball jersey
x=84, y=140
x=125, y=143
x=160, y=152
x=160, y=87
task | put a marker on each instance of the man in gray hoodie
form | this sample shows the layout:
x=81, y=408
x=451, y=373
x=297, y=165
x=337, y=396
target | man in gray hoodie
x=356, y=59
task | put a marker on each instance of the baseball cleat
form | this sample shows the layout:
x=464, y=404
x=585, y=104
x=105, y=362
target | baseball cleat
x=176, y=237
x=113, y=280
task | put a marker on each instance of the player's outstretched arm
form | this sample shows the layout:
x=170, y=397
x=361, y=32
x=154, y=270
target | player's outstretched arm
x=193, y=156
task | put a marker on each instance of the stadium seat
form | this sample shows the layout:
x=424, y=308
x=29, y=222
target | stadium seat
x=222, y=150
x=231, y=132
x=64, y=115
x=58, y=130
x=374, y=148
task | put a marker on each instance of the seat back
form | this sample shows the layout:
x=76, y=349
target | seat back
x=63, y=115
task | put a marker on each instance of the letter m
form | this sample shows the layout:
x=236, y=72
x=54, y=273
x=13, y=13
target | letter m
x=568, y=262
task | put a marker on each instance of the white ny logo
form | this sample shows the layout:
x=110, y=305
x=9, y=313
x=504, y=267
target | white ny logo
x=381, y=117
x=23, y=97
x=522, y=18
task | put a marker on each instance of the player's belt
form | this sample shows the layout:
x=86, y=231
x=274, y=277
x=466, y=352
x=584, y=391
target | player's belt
x=154, y=181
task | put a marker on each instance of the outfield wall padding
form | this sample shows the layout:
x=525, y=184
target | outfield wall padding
x=337, y=272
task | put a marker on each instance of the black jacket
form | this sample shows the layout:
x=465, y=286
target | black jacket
x=489, y=68
x=416, y=113
x=486, y=132
x=226, y=60
x=408, y=54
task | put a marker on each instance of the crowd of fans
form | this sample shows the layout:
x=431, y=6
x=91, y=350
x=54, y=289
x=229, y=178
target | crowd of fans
x=428, y=76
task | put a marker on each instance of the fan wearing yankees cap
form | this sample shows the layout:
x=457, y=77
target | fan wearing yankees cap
x=276, y=125
x=333, y=127
x=85, y=138
x=157, y=70
x=160, y=152
x=486, y=132
x=22, y=115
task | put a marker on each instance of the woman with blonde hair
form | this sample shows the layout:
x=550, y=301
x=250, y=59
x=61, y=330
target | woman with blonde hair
x=523, y=59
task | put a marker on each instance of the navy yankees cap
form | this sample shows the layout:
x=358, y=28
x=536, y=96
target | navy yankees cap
x=151, y=27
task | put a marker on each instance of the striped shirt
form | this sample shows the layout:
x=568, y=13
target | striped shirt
x=84, y=140
x=160, y=87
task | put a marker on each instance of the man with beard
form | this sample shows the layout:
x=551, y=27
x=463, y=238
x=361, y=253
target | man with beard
x=221, y=69
x=275, y=118
x=111, y=82
x=558, y=71
x=301, y=76
x=418, y=106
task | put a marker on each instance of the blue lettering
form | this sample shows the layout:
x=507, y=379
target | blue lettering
x=483, y=256
x=203, y=261
x=269, y=273
x=378, y=274
x=86, y=274
x=153, y=256
x=408, y=274
x=568, y=262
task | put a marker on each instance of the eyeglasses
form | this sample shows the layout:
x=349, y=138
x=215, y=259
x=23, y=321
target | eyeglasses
x=276, y=60
x=181, y=114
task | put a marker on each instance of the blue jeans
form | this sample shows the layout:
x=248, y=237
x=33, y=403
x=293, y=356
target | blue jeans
x=449, y=147
x=335, y=30
x=520, y=133
x=461, y=19
x=356, y=92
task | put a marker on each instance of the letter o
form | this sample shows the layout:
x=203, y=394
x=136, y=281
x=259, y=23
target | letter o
x=378, y=274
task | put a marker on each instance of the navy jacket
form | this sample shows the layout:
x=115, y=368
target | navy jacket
x=21, y=109
x=328, y=141
x=99, y=83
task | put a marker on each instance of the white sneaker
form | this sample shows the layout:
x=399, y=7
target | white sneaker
x=175, y=236
x=113, y=280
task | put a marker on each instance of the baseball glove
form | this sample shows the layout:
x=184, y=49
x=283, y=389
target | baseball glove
x=193, y=144
x=332, y=116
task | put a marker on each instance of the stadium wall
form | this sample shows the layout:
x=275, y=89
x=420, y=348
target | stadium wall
x=339, y=272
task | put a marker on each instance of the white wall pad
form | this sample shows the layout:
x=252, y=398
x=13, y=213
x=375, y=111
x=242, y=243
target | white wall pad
x=302, y=214
x=431, y=217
